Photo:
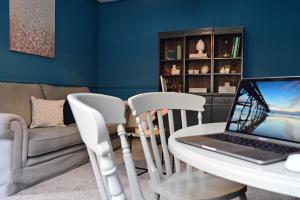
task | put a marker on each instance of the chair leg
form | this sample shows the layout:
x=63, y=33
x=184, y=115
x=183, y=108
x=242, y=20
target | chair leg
x=243, y=197
x=156, y=196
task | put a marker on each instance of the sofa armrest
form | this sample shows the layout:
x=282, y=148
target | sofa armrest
x=13, y=140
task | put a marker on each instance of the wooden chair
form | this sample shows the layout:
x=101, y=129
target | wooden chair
x=92, y=112
x=187, y=185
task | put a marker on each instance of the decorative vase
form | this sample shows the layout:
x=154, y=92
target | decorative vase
x=174, y=70
x=226, y=48
x=227, y=69
x=204, y=69
x=222, y=70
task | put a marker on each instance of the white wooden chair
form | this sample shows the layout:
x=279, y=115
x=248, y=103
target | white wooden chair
x=187, y=185
x=92, y=112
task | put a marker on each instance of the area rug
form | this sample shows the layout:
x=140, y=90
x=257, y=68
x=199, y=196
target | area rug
x=80, y=184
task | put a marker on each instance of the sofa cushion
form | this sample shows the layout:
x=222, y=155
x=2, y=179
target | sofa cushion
x=59, y=93
x=45, y=140
x=47, y=113
x=15, y=98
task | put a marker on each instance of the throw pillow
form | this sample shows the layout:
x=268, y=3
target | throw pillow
x=47, y=113
x=68, y=115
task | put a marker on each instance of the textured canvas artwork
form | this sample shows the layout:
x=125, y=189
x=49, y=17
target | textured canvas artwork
x=32, y=27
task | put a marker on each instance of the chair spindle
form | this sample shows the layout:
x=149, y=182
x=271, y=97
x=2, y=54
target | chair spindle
x=172, y=130
x=164, y=143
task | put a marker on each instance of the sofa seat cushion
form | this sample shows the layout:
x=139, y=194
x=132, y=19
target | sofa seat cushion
x=46, y=140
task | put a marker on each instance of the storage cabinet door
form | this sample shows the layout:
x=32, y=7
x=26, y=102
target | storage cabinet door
x=221, y=108
x=220, y=113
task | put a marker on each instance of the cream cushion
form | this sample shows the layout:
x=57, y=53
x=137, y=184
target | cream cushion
x=47, y=113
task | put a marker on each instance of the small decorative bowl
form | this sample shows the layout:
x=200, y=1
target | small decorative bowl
x=177, y=71
x=190, y=71
x=196, y=71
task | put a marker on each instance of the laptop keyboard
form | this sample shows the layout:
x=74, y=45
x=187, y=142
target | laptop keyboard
x=266, y=146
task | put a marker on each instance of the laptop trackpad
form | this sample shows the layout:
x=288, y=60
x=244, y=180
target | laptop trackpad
x=243, y=151
x=224, y=146
x=258, y=154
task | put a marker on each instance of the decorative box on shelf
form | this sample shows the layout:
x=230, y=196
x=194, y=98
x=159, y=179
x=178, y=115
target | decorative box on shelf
x=227, y=89
x=198, y=90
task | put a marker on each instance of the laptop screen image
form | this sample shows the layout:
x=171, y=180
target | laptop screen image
x=268, y=108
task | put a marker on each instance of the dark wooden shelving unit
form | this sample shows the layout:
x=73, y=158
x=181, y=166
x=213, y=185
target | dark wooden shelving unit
x=219, y=43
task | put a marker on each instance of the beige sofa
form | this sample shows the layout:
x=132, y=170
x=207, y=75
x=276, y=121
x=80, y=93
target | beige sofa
x=29, y=156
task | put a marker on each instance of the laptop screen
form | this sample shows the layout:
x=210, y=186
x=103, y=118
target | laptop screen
x=268, y=108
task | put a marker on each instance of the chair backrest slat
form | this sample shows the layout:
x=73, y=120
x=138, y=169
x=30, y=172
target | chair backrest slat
x=183, y=118
x=90, y=112
x=184, y=125
x=164, y=143
x=153, y=172
x=199, y=118
x=154, y=144
x=159, y=101
x=172, y=130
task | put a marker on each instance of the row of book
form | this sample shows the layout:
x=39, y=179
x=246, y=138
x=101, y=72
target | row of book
x=198, y=90
x=235, y=47
x=227, y=89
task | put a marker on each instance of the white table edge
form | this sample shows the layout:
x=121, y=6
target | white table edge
x=273, y=177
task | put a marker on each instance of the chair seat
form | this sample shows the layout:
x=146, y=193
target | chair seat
x=46, y=140
x=197, y=186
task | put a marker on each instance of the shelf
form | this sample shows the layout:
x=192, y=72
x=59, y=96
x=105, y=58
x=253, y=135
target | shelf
x=171, y=60
x=197, y=59
x=237, y=58
x=172, y=76
x=216, y=94
x=198, y=74
x=203, y=94
x=229, y=74
x=232, y=93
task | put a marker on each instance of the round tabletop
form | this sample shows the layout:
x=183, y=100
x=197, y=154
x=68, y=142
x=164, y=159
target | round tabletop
x=272, y=177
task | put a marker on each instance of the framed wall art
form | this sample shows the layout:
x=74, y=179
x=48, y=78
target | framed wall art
x=32, y=27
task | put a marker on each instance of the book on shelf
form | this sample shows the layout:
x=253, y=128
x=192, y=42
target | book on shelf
x=163, y=83
x=235, y=47
x=226, y=89
x=198, y=90
x=225, y=92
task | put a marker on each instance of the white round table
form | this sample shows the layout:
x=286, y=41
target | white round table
x=272, y=177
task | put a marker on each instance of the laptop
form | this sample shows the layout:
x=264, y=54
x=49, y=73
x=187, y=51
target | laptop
x=264, y=123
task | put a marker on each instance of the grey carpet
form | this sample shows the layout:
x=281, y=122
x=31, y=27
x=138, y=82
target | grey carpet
x=80, y=184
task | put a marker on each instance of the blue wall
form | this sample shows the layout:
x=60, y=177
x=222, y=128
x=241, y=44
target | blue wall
x=76, y=48
x=128, y=43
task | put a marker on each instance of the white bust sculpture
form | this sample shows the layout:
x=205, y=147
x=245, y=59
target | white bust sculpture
x=200, y=47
